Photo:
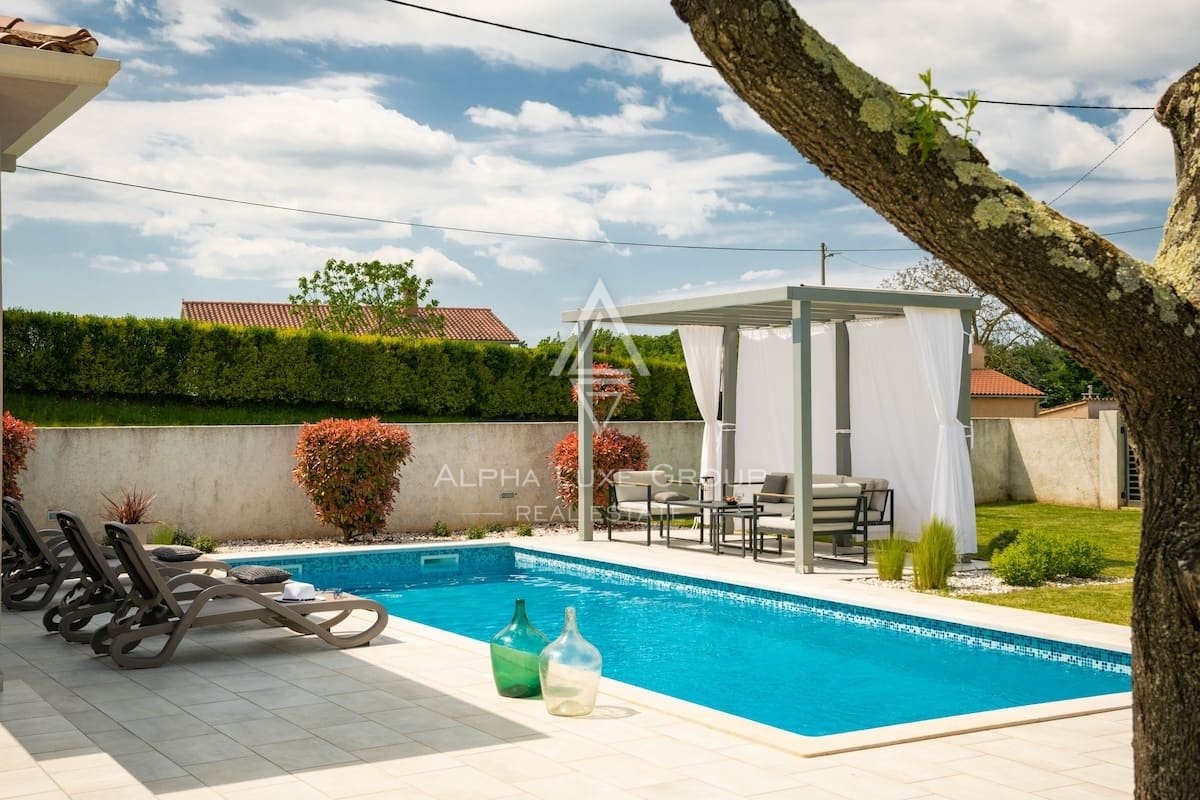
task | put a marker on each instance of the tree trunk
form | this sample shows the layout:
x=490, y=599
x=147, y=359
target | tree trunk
x=1135, y=324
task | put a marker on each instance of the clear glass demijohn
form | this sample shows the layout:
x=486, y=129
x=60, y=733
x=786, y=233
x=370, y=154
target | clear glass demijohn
x=570, y=671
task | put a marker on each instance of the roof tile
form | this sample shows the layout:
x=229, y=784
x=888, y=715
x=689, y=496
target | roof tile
x=990, y=383
x=466, y=324
x=62, y=38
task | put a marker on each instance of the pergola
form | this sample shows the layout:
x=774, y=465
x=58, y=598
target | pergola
x=40, y=88
x=799, y=307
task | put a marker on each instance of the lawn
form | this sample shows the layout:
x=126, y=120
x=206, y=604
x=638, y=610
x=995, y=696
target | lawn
x=1117, y=532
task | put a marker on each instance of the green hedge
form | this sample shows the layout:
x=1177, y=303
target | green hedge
x=175, y=359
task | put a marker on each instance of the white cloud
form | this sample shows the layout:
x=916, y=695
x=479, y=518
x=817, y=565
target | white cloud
x=109, y=263
x=762, y=274
x=1044, y=143
x=427, y=262
x=540, y=118
x=152, y=68
x=673, y=212
x=196, y=27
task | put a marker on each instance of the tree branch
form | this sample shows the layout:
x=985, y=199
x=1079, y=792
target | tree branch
x=1107, y=308
x=1178, y=256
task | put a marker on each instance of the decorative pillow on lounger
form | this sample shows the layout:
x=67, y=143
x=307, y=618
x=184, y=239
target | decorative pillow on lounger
x=176, y=552
x=253, y=573
x=669, y=497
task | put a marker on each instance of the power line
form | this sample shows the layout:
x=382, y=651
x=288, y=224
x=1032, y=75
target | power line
x=1098, y=164
x=673, y=60
x=553, y=36
x=484, y=232
x=868, y=266
x=337, y=215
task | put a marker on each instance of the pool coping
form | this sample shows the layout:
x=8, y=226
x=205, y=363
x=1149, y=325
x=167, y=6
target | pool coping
x=832, y=587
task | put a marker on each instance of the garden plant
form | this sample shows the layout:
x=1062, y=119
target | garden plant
x=350, y=470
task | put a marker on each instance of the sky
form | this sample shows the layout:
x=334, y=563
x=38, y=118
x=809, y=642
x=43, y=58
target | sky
x=366, y=108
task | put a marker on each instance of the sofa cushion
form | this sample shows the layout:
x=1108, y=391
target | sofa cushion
x=875, y=489
x=877, y=499
x=776, y=509
x=652, y=482
x=776, y=483
x=669, y=497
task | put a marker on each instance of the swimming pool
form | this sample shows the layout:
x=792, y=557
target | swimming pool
x=808, y=666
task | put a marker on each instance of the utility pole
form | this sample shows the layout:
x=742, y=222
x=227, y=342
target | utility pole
x=824, y=254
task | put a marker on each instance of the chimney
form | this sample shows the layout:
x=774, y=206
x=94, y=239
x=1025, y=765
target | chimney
x=978, y=354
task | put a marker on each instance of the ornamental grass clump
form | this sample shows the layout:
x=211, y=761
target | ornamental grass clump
x=350, y=470
x=889, y=557
x=934, y=555
x=131, y=508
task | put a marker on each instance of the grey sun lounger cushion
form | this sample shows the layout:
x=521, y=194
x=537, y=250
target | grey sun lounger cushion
x=254, y=574
x=176, y=552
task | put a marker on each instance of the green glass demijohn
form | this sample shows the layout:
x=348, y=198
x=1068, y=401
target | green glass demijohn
x=570, y=667
x=515, y=651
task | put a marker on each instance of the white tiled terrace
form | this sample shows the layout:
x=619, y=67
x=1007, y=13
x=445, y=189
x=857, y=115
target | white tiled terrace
x=249, y=711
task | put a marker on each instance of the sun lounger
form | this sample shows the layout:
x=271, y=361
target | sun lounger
x=160, y=607
x=100, y=589
x=37, y=564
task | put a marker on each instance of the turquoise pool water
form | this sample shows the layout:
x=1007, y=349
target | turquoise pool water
x=807, y=666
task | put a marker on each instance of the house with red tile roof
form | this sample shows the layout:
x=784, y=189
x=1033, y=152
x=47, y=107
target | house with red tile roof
x=464, y=324
x=994, y=394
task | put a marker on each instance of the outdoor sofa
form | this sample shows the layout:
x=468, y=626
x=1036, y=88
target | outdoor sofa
x=844, y=507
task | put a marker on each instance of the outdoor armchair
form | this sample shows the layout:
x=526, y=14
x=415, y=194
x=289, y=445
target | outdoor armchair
x=645, y=495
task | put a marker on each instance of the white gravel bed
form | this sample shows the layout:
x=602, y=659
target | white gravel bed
x=983, y=581
x=335, y=540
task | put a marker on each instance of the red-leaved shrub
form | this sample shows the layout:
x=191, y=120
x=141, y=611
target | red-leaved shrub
x=608, y=383
x=350, y=470
x=19, y=440
x=611, y=451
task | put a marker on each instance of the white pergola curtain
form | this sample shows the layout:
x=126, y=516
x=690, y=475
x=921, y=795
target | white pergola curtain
x=765, y=410
x=894, y=427
x=937, y=336
x=702, y=352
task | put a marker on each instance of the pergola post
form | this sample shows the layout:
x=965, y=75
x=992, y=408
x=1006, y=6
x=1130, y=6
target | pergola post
x=729, y=369
x=802, y=432
x=964, y=387
x=585, y=388
x=841, y=383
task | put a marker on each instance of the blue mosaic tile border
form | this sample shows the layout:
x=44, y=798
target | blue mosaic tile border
x=386, y=568
x=1035, y=647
